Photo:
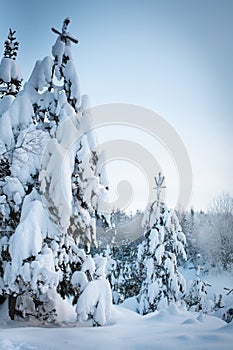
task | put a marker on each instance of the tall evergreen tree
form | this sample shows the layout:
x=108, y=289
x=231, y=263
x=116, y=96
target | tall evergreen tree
x=157, y=256
x=11, y=190
x=50, y=120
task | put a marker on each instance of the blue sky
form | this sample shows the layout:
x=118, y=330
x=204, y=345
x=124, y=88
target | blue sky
x=174, y=57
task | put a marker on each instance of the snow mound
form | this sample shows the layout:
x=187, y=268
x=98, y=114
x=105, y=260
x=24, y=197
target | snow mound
x=191, y=321
x=130, y=304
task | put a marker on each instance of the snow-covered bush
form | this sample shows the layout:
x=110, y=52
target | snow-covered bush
x=95, y=300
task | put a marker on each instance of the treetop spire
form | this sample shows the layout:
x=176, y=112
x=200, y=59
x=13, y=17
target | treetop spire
x=159, y=180
x=11, y=46
x=64, y=35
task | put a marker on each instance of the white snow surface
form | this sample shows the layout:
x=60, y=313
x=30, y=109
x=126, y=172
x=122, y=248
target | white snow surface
x=173, y=328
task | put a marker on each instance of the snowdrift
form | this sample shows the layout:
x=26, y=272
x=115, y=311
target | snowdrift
x=172, y=328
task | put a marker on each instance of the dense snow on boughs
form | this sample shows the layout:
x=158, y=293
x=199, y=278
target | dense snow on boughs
x=72, y=193
x=157, y=259
x=50, y=182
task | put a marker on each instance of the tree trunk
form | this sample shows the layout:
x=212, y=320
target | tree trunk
x=2, y=299
x=11, y=306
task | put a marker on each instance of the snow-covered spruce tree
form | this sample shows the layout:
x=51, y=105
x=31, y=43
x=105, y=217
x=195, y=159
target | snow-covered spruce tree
x=157, y=257
x=122, y=272
x=196, y=297
x=21, y=146
x=11, y=191
x=71, y=192
x=10, y=74
x=42, y=252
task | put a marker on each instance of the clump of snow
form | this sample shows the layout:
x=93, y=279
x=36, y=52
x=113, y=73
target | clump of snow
x=10, y=70
x=79, y=279
x=27, y=240
x=59, y=194
x=101, y=264
x=42, y=74
x=89, y=265
x=13, y=189
x=5, y=103
x=70, y=73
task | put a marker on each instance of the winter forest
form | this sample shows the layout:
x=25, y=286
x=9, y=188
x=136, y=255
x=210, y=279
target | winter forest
x=66, y=263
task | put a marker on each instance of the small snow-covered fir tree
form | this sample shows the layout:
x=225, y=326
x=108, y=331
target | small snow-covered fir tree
x=196, y=298
x=157, y=257
x=10, y=74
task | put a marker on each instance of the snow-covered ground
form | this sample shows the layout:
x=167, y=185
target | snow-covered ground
x=172, y=328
